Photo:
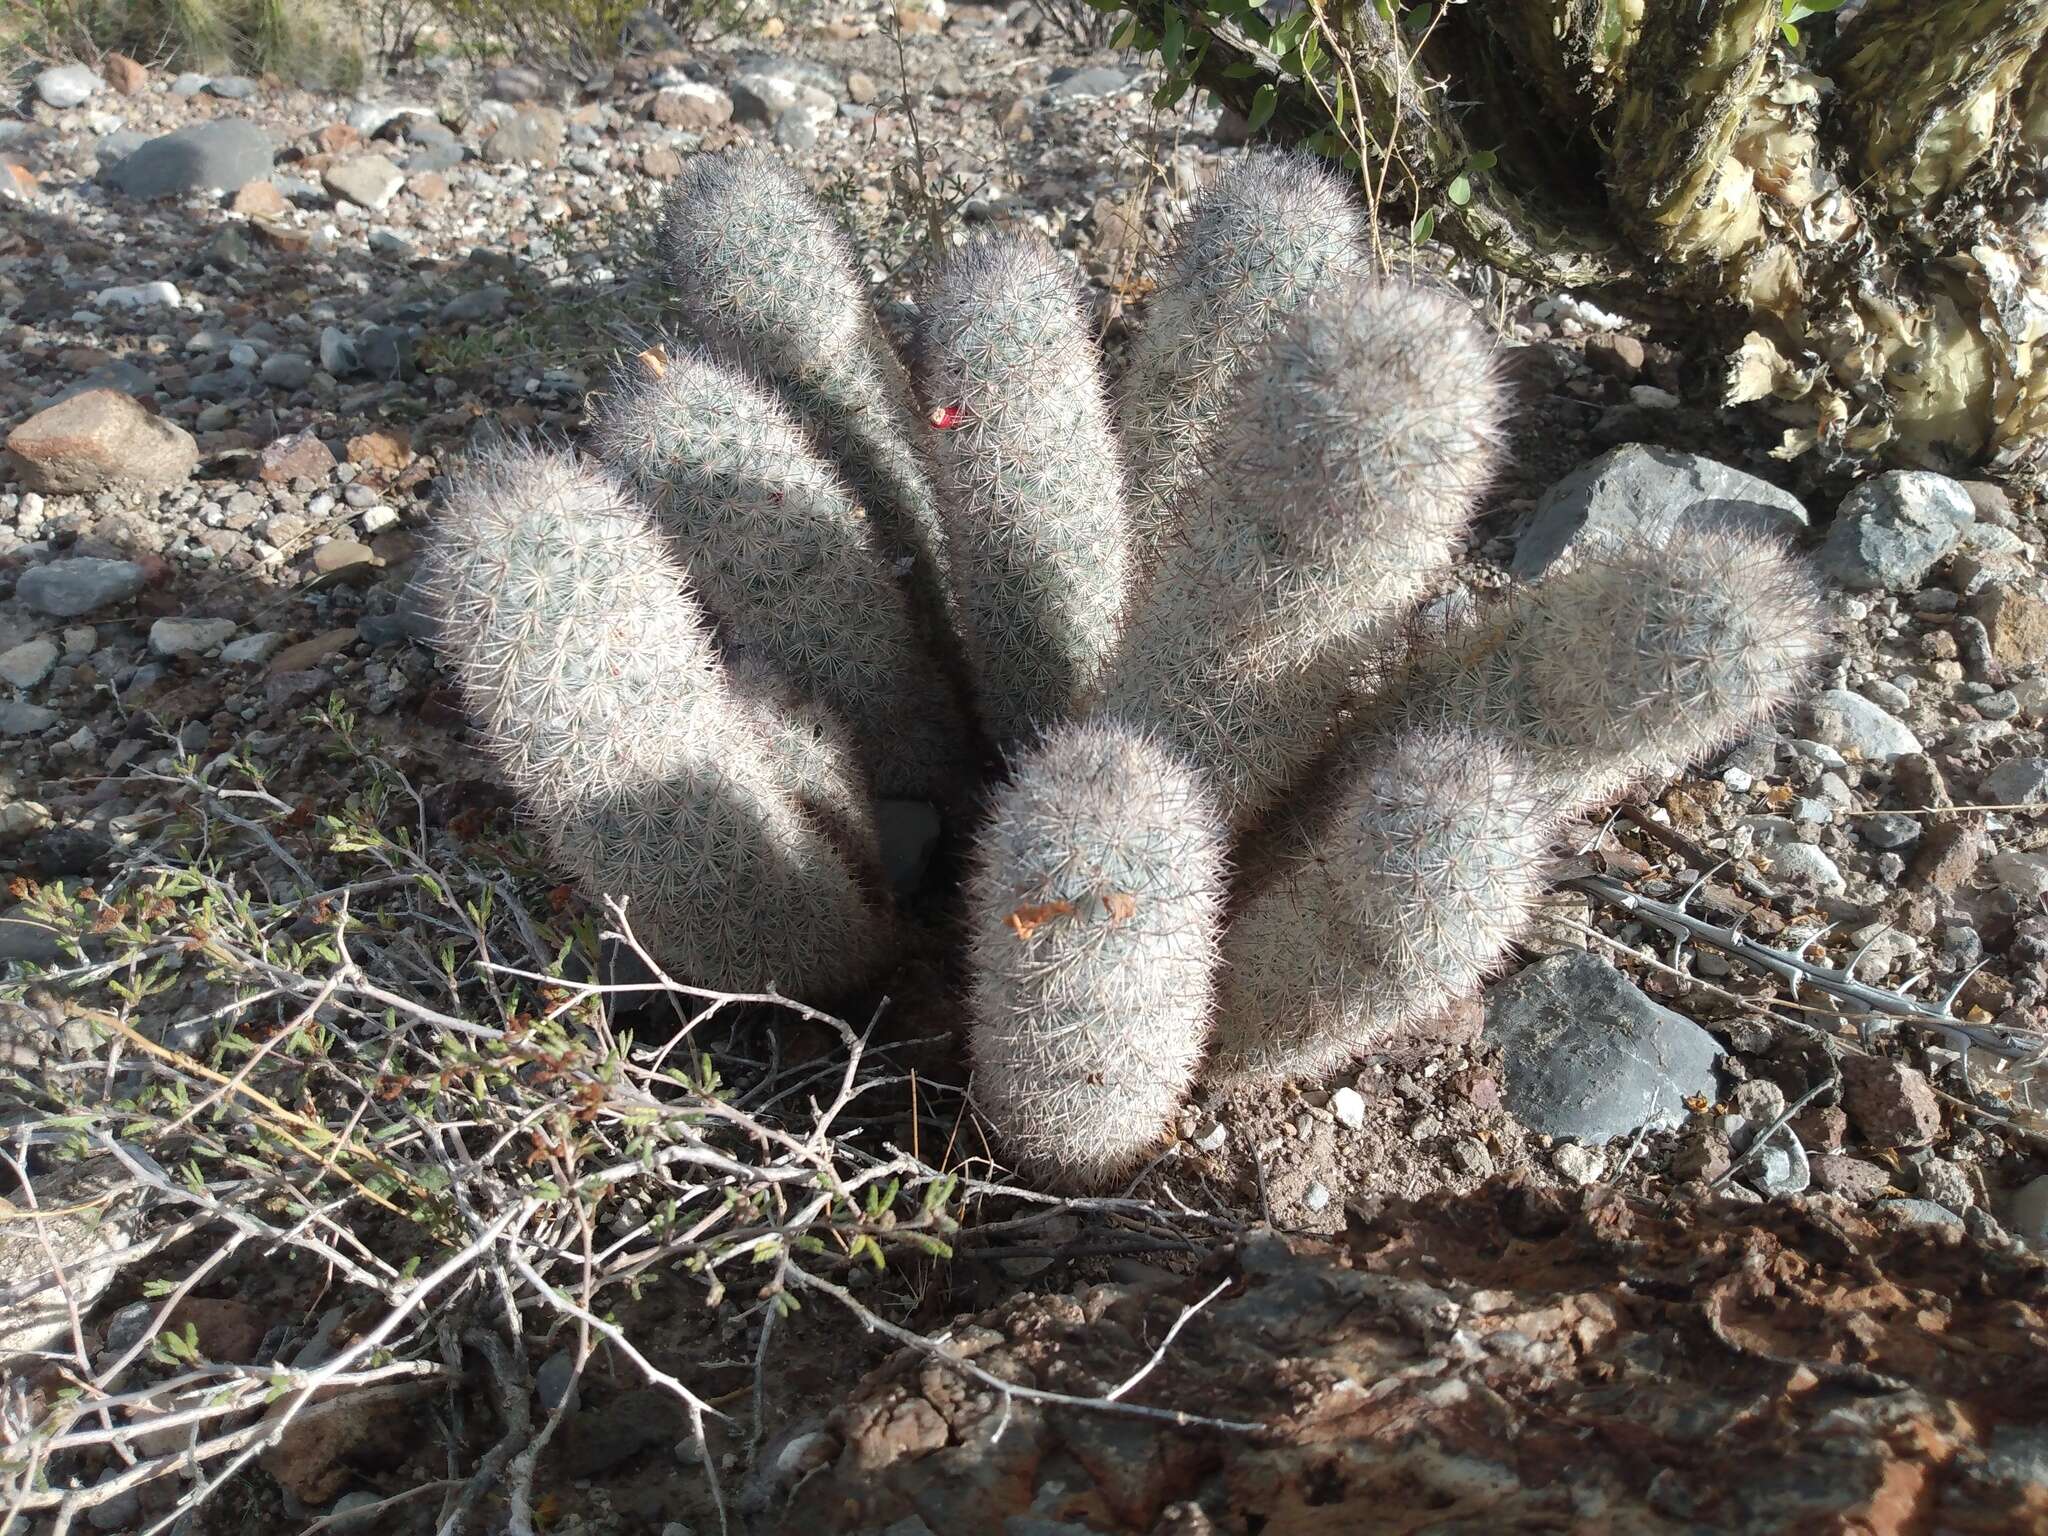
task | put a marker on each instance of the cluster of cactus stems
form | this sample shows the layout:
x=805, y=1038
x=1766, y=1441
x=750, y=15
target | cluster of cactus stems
x=1152, y=646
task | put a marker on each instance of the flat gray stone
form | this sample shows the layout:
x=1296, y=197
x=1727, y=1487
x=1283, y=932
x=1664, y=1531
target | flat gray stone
x=2028, y=1218
x=1636, y=491
x=27, y=664
x=84, y=584
x=1923, y=1212
x=2023, y=781
x=1849, y=722
x=214, y=156
x=68, y=85
x=1806, y=864
x=18, y=719
x=1087, y=84
x=534, y=134
x=368, y=181
x=90, y=1234
x=1585, y=1054
x=189, y=637
x=1893, y=529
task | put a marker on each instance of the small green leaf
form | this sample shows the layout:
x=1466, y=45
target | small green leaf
x=1173, y=39
x=1423, y=228
x=1459, y=191
x=1484, y=160
x=1263, y=104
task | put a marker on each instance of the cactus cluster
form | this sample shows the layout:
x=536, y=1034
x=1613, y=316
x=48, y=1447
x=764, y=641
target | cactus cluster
x=1151, y=648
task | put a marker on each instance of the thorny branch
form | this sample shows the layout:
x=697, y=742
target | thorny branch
x=404, y=1089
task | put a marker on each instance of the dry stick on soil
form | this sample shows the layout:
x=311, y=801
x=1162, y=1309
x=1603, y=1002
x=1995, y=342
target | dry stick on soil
x=1872, y=1003
x=1011, y=1392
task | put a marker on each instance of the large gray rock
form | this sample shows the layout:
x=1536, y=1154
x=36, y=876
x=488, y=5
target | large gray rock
x=1891, y=530
x=1636, y=490
x=1849, y=722
x=97, y=439
x=2023, y=781
x=68, y=85
x=68, y=588
x=1586, y=1054
x=765, y=99
x=534, y=134
x=214, y=156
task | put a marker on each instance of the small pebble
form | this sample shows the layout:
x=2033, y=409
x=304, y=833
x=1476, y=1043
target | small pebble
x=1348, y=1106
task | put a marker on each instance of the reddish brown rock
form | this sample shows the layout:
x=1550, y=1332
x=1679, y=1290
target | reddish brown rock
x=326, y=1440
x=124, y=74
x=98, y=439
x=299, y=456
x=1890, y=1104
x=428, y=186
x=337, y=139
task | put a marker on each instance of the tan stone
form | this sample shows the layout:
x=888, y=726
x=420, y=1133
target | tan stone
x=98, y=439
x=428, y=186
x=254, y=198
x=338, y=138
x=386, y=448
x=308, y=654
x=124, y=74
x=2016, y=618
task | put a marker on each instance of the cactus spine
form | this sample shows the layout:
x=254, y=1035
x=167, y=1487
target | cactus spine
x=1652, y=651
x=784, y=560
x=1334, y=497
x=1030, y=479
x=592, y=674
x=1402, y=895
x=765, y=278
x=1093, y=912
x=1269, y=235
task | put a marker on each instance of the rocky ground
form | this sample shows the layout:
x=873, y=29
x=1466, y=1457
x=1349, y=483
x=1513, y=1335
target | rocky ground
x=251, y=328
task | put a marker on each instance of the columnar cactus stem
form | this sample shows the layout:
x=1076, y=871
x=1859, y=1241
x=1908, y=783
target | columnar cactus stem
x=785, y=561
x=1029, y=477
x=1642, y=655
x=765, y=278
x=1265, y=239
x=1383, y=908
x=1093, y=915
x=592, y=675
x=1334, y=497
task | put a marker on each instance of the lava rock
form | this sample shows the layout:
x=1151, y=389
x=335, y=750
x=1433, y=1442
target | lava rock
x=1585, y=1054
x=1891, y=1105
